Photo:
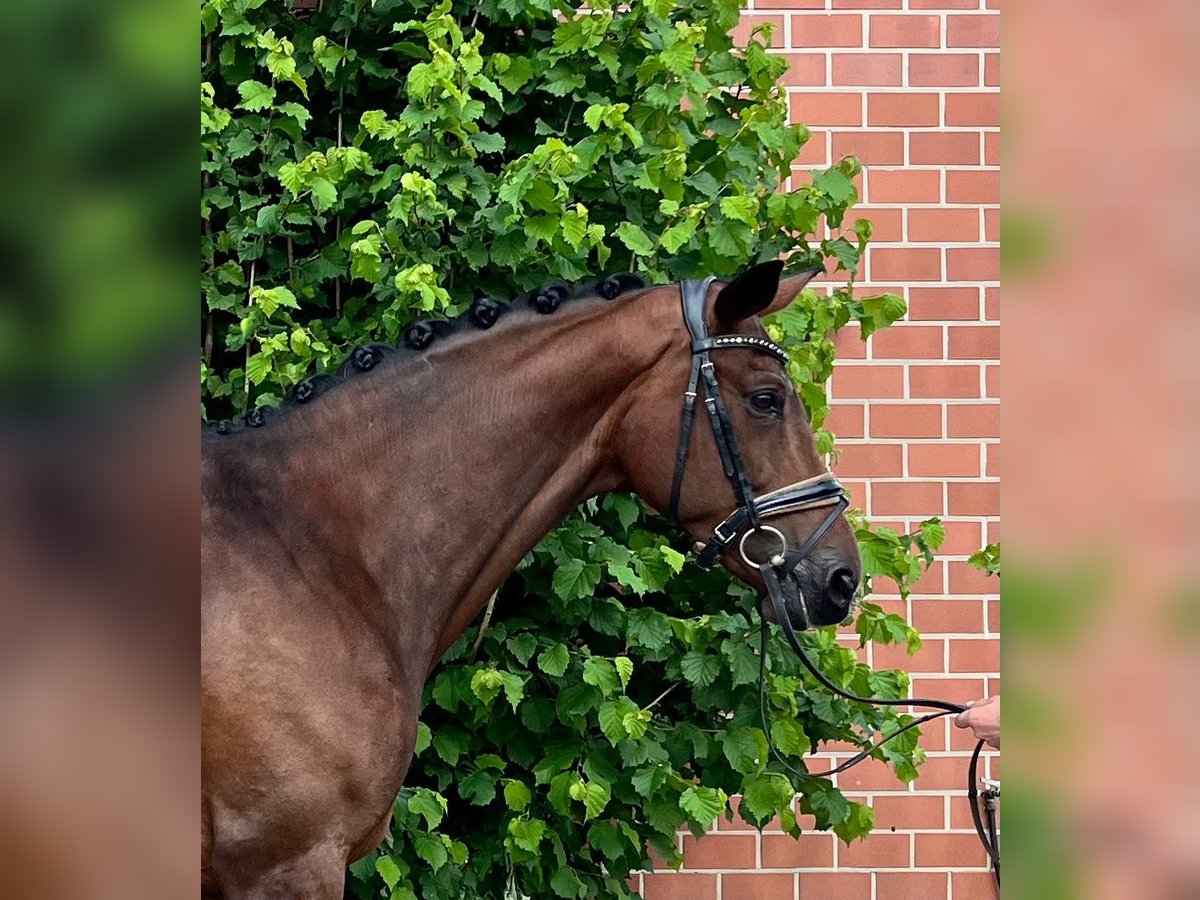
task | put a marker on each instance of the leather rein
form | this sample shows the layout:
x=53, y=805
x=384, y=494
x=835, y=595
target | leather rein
x=747, y=520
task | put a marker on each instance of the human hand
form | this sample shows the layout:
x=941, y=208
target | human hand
x=983, y=718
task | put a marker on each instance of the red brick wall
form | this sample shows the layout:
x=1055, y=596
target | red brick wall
x=912, y=88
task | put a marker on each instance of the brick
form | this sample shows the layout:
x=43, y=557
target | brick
x=973, y=341
x=973, y=31
x=904, y=186
x=849, y=344
x=876, y=851
x=972, y=109
x=872, y=460
x=888, y=224
x=852, y=382
x=968, y=186
x=835, y=886
x=873, y=148
x=966, y=579
x=905, y=110
x=790, y=4
x=991, y=148
x=973, y=885
x=982, y=655
x=903, y=341
x=992, y=463
x=991, y=69
x=905, y=264
x=805, y=70
x=979, y=498
x=930, y=658
x=957, y=690
x=868, y=69
x=973, y=420
x=943, y=4
x=870, y=775
x=943, y=303
x=948, y=225
x=815, y=152
x=719, y=851
x=991, y=225
x=944, y=148
x=943, y=460
x=868, y=4
x=949, y=850
x=973, y=263
x=810, y=30
x=947, y=616
x=905, y=31
x=759, y=886
x=818, y=108
x=846, y=419
x=943, y=70
x=937, y=382
x=909, y=498
x=813, y=851
x=680, y=886
x=911, y=886
x=991, y=304
x=748, y=22
x=908, y=812
x=962, y=538
x=906, y=420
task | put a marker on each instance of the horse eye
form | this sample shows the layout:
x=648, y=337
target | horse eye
x=767, y=402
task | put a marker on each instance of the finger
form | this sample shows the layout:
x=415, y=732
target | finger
x=963, y=719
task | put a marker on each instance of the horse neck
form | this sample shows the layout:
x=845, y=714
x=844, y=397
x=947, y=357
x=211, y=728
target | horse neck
x=440, y=476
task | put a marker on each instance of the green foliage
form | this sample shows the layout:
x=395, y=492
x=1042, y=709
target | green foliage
x=365, y=164
x=987, y=559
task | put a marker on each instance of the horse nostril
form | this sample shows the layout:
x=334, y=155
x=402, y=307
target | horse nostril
x=841, y=586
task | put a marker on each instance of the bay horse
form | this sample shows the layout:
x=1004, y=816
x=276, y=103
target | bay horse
x=352, y=538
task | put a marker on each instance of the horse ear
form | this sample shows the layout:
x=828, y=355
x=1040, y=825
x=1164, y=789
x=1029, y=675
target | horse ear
x=759, y=291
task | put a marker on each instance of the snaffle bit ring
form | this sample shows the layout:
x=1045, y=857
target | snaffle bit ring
x=776, y=558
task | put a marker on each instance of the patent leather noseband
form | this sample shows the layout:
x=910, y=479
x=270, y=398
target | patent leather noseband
x=747, y=518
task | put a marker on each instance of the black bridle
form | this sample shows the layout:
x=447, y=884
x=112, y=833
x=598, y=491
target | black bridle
x=747, y=520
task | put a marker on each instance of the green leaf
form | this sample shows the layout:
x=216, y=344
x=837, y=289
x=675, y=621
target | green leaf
x=517, y=795
x=745, y=748
x=702, y=804
x=624, y=669
x=478, y=788
x=432, y=807
x=635, y=239
x=424, y=738
x=832, y=182
x=594, y=796
x=701, y=669
x=324, y=194
x=766, y=794
x=388, y=870
x=625, y=506
x=255, y=95
x=554, y=661
x=601, y=673
x=743, y=208
x=527, y=833
x=789, y=737
x=648, y=628
x=576, y=579
x=430, y=848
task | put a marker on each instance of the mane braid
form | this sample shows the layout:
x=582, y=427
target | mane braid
x=482, y=314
